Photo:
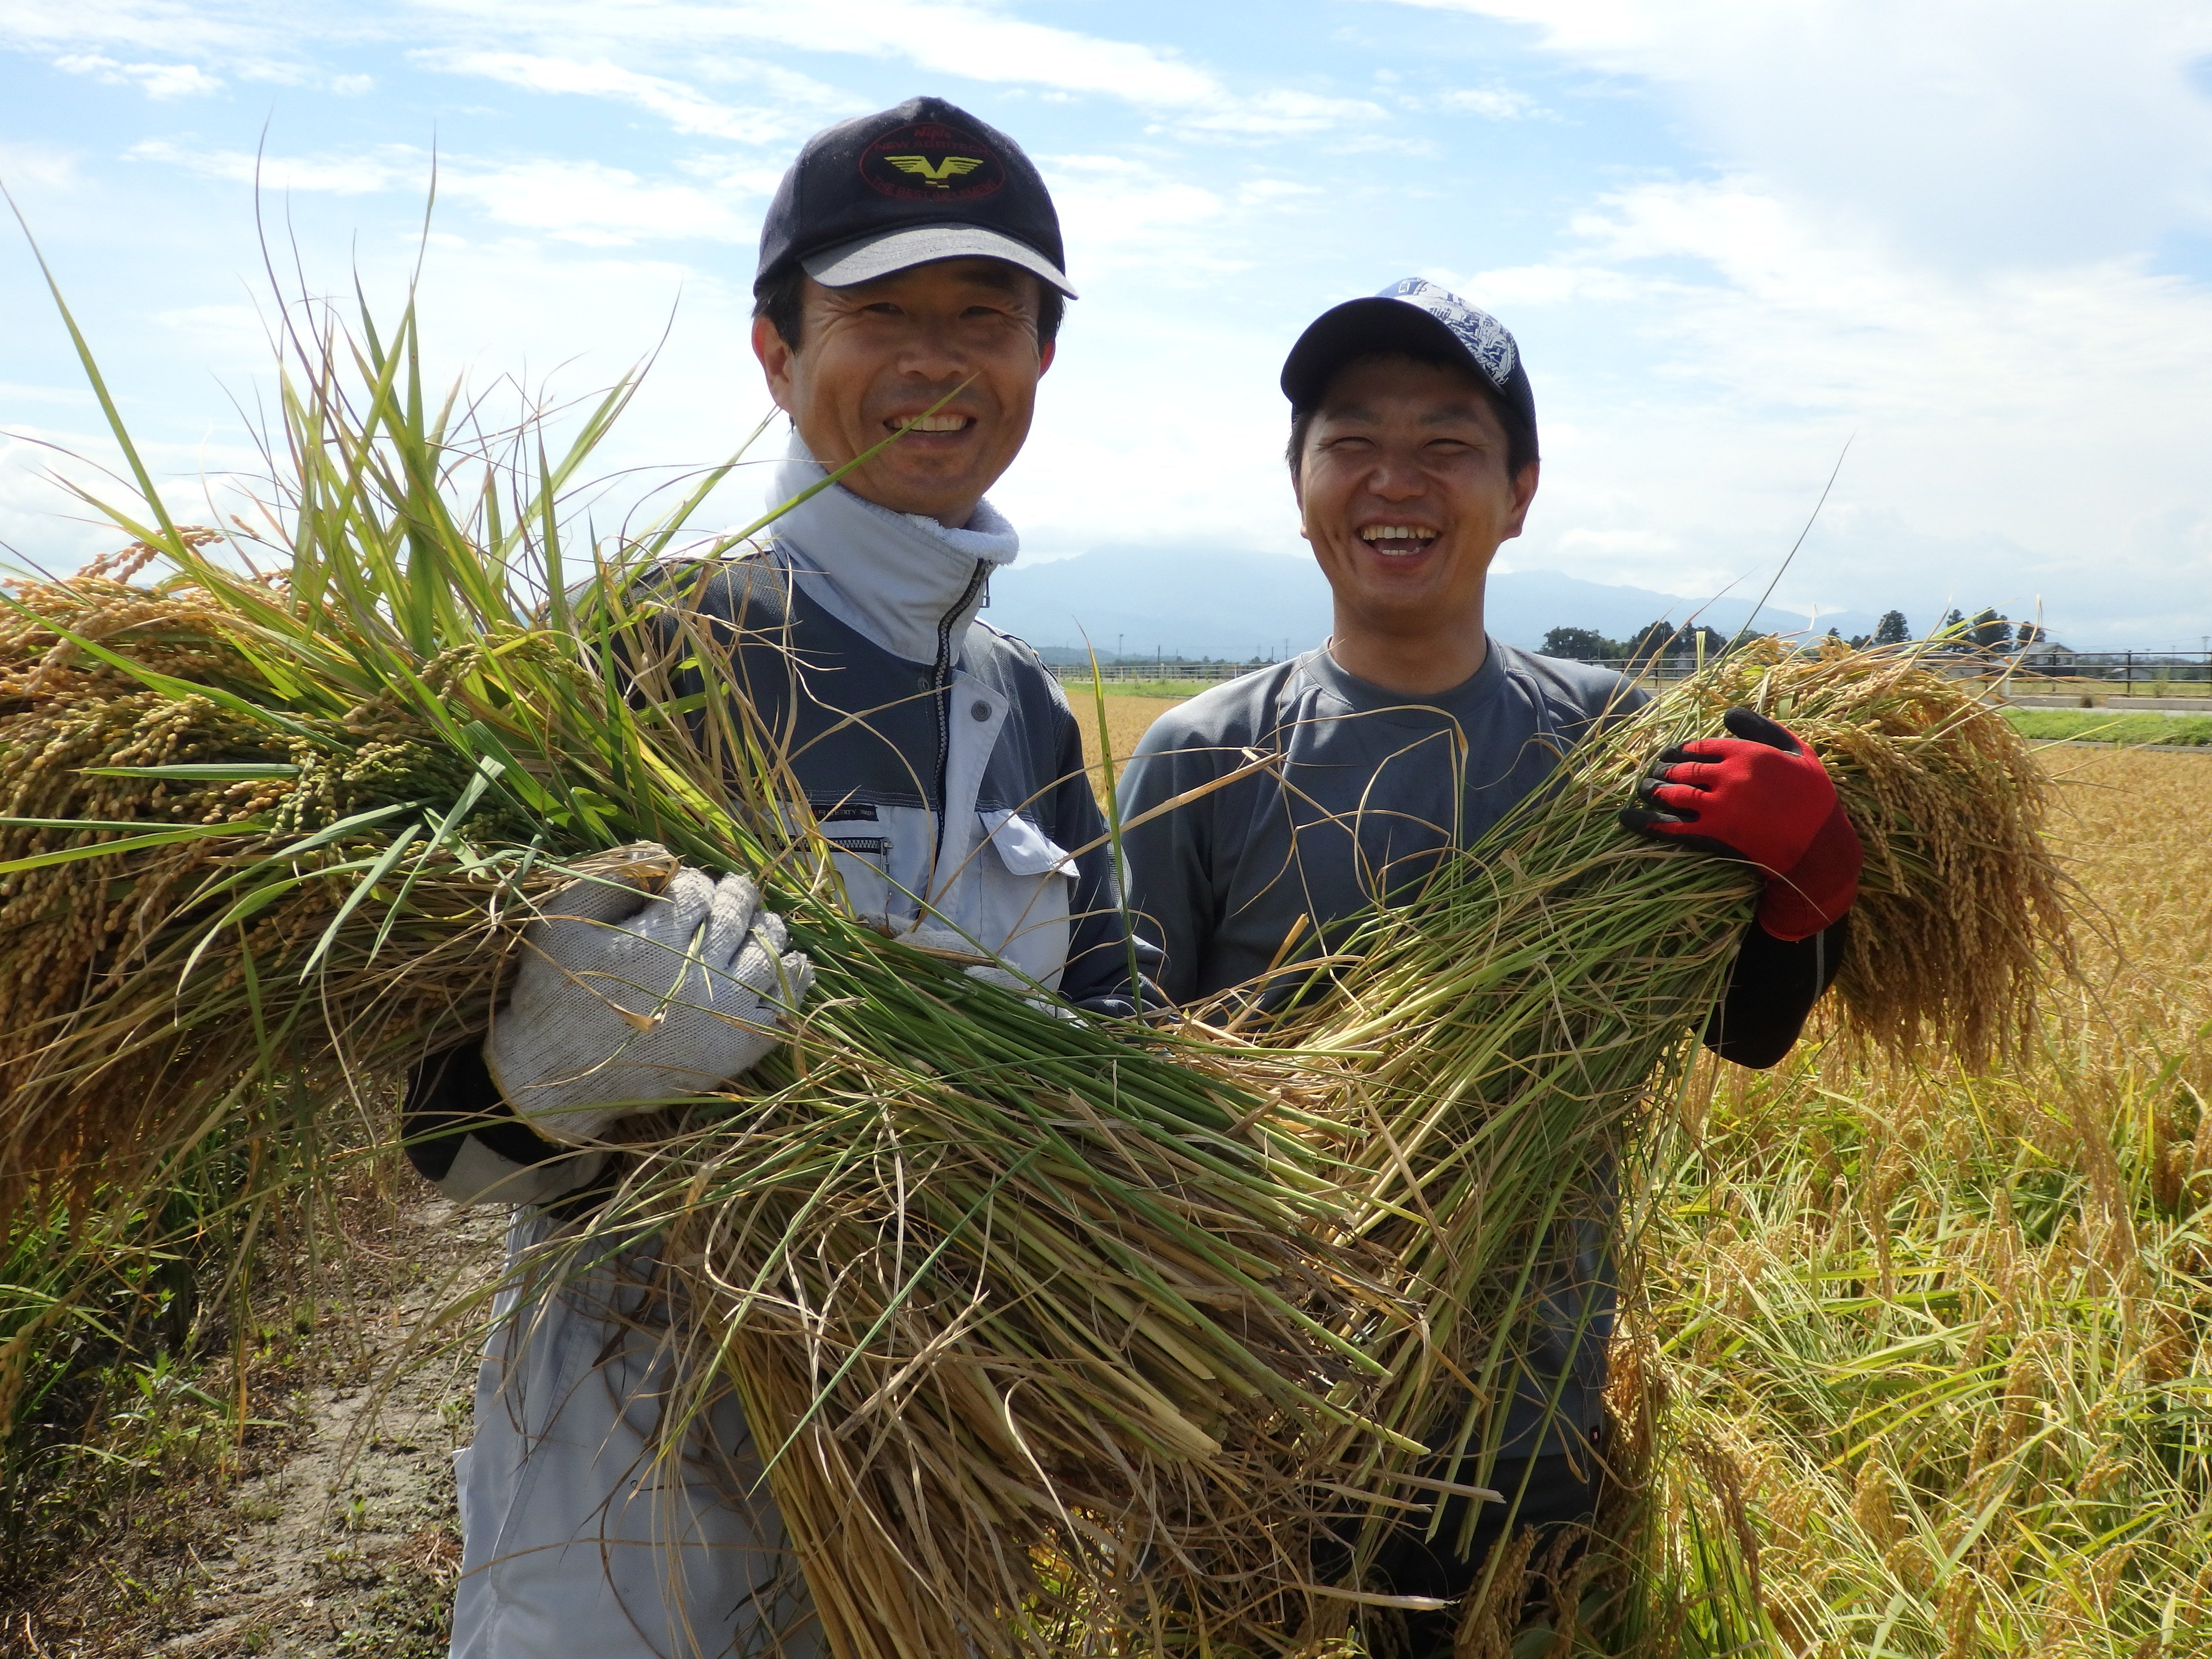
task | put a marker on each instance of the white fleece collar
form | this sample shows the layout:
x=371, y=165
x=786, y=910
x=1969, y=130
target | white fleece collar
x=899, y=578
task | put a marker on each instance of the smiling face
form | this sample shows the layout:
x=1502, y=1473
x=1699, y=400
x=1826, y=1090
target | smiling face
x=876, y=355
x=1406, y=497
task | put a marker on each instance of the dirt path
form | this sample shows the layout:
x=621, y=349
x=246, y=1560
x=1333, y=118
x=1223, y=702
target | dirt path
x=350, y=1545
x=342, y=1538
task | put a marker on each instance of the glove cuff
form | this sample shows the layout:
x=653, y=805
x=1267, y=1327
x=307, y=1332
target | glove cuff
x=1809, y=897
x=551, y=1109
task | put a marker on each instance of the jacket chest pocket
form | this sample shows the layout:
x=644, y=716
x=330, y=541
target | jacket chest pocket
x=864, y=865
x=1024, y=878
x=864, y=849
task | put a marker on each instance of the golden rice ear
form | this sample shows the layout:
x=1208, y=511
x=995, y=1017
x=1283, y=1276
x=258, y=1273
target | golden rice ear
x=645, y=865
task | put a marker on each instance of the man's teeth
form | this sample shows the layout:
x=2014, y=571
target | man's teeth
x=1398, y=533
x=939, y=424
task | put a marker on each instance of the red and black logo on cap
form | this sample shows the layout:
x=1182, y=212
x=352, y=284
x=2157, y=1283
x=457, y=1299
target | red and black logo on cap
x=930, y=162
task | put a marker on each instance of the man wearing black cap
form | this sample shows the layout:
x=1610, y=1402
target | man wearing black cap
x=1413, y=456
x=910, y=280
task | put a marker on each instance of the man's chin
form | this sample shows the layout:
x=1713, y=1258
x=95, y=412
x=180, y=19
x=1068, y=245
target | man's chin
x=928, y=491
x=1411, y=595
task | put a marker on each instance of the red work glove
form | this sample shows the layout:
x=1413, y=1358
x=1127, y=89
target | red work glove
x=1762, y=797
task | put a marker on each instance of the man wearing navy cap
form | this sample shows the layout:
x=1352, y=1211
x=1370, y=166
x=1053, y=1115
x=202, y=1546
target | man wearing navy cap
x=1413, y=454
x=911, y=280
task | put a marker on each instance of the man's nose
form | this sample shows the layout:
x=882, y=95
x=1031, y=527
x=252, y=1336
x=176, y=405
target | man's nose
x=1396, y=478
x=934, y=352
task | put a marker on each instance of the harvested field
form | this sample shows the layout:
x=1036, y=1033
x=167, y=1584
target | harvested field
x=1127, y=718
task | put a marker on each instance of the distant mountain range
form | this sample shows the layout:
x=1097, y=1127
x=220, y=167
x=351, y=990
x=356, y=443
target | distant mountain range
x=1139, y=601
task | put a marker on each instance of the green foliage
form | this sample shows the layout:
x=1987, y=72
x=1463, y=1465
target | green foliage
x=1892, y=629
x=1664, y=639
x=1673, y=641
x=2105, y=725
x=106, y=1330
x=1989, y=631
x=1581, y=644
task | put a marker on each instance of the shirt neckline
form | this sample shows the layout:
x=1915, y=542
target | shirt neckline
x=1366, y=697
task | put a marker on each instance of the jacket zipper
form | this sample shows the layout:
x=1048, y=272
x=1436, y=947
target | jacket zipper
x=942, y=678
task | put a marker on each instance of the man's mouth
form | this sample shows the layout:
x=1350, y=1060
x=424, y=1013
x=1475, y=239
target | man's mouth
x=943, y=421
x=1399, y=539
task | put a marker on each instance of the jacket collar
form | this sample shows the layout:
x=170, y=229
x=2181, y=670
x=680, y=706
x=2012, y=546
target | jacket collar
x=905, y=582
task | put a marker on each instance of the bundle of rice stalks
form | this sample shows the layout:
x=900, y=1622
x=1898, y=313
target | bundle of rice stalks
x=1065, y=1336
x=1503, y=1036
x=1019, y=1318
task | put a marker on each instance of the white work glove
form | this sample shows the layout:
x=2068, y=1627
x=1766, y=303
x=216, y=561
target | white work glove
x=624, y=1001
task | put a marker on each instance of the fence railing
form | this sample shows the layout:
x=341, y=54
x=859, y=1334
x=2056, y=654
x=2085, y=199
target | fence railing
x=2103, y=674
x=2035, y=673
x=2029, y=674
x=1165, y=668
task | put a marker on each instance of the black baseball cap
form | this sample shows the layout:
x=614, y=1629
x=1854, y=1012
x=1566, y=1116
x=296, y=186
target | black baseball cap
x=1413, y=315
x=926, y=180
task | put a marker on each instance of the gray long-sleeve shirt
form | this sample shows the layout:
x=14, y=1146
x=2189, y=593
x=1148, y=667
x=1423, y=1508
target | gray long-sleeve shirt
x=1370, y=787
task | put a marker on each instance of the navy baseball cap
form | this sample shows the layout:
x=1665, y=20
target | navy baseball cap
x=1416, y=316
x=924, y=181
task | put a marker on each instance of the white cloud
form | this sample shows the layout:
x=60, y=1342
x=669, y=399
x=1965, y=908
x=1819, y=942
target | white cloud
x=598, y=206
x=1979, y=131
x=974, y=42
x=1615, y=542
x=650, y=54
x=683, y=107
x=582, y=53
x=42, y=165
x=1259, y=191
x=155, y=80
x=1282, y=114
x=1492, y=103
x=582, y=202
x=389, y=166
x=139, y=27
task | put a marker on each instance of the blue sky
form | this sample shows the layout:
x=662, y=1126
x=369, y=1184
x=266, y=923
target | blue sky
x=1974, y=239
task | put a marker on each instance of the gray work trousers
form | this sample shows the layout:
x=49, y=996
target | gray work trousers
x=582, y=1533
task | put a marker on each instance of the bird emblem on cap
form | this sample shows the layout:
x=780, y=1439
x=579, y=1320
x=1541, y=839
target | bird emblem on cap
x=941, y=174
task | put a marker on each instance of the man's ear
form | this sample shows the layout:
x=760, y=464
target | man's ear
x=777, y=362
x=1524, y=493
x=1044, y=356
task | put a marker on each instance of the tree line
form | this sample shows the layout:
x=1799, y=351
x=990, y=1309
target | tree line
x=1985, y=631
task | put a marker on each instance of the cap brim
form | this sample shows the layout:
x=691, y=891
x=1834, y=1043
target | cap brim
x=867, y=258
x=1355, y=329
